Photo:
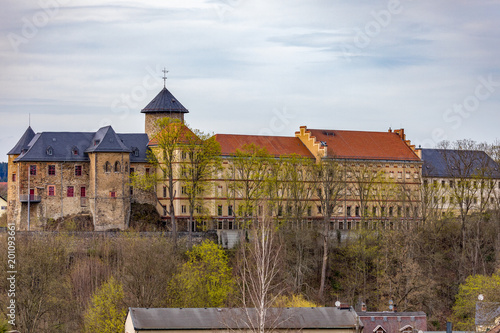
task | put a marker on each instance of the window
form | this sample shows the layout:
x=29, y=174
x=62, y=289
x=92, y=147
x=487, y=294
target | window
x=357, y=210
x=147, y=171
x=391, y=211
x=400, y=174
x=452, y=183
x=230, y=210
x=309, y=211
x=51, y=170
x=131, y=190
x=49, y=151
x=407, y=175
x=117, y=167
x=219, y=190
x=132, y=170
x=443, y=183
x=13, y=177
x=391, y=174
x=164, y=210
x=319, y=209
x=74, y=151
x=83, y=191
x=261, y=210
x=348, y=213
x=112, y=194
x=183, y=190
x=70, y=192
x=183, y=209
x=399, y=210
x=164, y=191
x=33, y=170
x=374, y=211
x=51, y=190
x=107, y=167
x=78, y=170
x=219, y=210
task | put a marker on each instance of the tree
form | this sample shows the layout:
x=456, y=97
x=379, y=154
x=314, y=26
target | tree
x=259, y=267
x=330, y=186
x=247, y=178
x=465, y=301
x=205, y=280
x=200, y=161
x=294, y=301
x=107, y=311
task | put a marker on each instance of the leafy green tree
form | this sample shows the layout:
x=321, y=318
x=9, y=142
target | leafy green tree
x=107, y=312
x=465, y=301
x=205, y=280
x=200, y=159
x=4, y=326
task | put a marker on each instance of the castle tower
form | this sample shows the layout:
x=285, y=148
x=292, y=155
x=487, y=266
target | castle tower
x=163, y=105
x=109, y=192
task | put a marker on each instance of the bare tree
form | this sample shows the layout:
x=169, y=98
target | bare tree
x=329, y=187
x=260, y=264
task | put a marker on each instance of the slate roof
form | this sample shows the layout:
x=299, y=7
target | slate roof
x=23, y=142
x=75, y=146
x=275, y=145
x=393, y=322
x=449, y=163
x=164, y=102
x=106, y=140
x=213, y=318
x=364, y=145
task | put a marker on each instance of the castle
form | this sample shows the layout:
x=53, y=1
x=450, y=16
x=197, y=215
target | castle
x=58, y=174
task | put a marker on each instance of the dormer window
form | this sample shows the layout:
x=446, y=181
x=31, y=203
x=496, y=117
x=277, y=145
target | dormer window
x=50, y=151
x=96, y=142
x=74, y=151
x=135, y=150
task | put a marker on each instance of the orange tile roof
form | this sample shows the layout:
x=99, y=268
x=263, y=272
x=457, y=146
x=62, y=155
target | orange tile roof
x=275, y=145
x=364, y=145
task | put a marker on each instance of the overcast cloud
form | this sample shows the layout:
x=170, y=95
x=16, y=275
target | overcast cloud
x=253, y=66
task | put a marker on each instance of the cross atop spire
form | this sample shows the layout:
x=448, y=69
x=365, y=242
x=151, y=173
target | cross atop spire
x=164, y=77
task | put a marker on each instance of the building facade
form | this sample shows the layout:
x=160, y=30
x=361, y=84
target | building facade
x=58, y=174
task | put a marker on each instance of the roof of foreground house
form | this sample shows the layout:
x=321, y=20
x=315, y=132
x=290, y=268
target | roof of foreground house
x=213, y=318
x=458, y=163
x=275, y=145
x=23, y=143
x=393, y=322
x=364, y=145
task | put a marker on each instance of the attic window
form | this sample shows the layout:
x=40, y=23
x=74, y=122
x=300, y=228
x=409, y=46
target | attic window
x=49, y=151
x=135, y=150
x=96, y=142
x=74, y=151
x=173, y=100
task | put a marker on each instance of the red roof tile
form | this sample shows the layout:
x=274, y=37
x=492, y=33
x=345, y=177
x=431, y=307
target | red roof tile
x=275, y=145
x=364, y=145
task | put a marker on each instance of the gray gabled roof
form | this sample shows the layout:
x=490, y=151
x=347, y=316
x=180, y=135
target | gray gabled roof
x=22, y=144
x=75, y=146
x=57, y=146
x=106, y=140
x=164, y=102
x=450, y=163
x=213, y=318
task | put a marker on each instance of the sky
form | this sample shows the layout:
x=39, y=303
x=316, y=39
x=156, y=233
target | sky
x=253, y=66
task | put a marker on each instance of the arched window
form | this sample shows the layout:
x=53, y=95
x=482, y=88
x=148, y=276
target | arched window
x=107, y=167
x=117, y=167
